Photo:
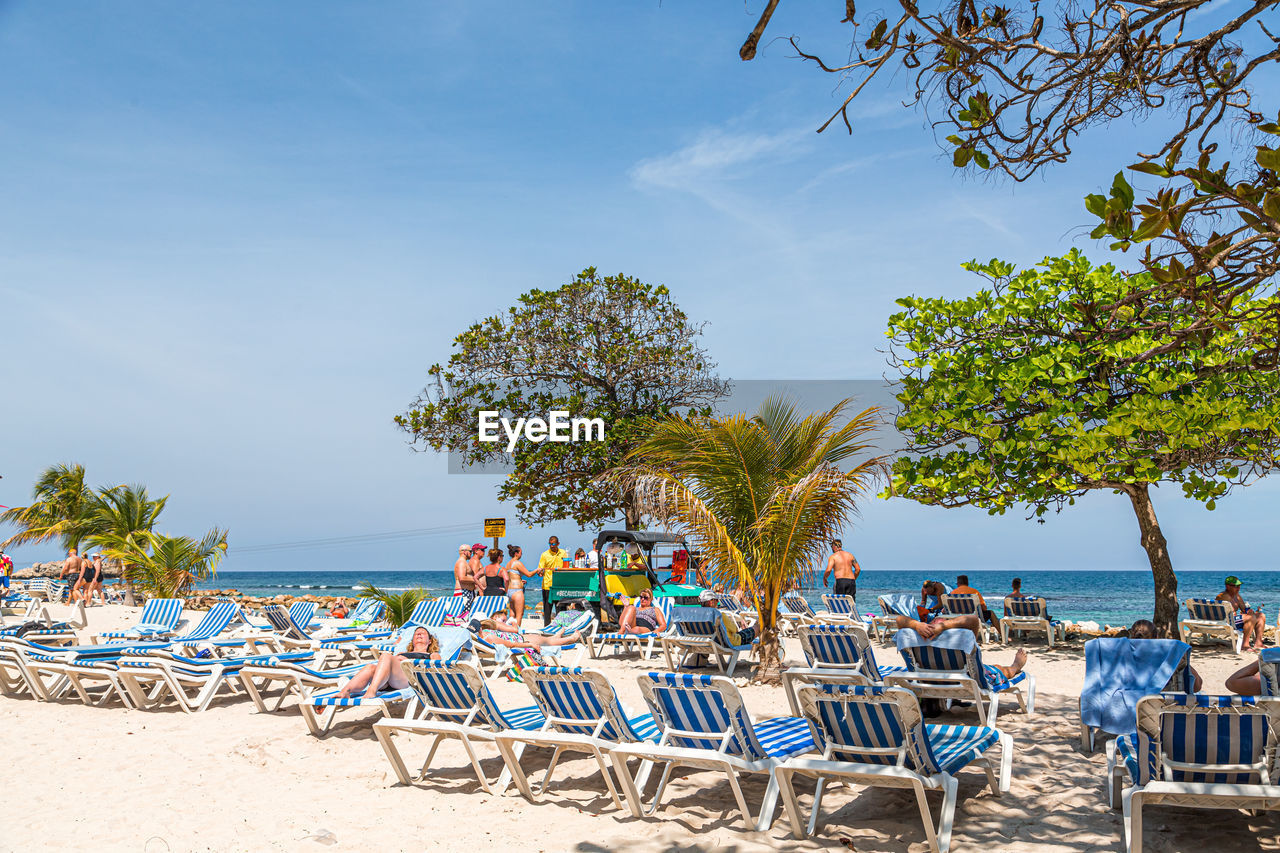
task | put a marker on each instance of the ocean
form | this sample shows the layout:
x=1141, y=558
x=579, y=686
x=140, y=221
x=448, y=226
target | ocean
x=1109, y=598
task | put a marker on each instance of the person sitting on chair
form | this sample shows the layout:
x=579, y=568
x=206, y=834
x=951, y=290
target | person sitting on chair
x=641, y=617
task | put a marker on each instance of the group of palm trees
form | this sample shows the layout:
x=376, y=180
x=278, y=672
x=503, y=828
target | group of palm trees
x=119, y=521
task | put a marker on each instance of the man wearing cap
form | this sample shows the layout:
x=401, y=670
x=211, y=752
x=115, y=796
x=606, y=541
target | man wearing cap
x=551, y=559
x=1251, y=622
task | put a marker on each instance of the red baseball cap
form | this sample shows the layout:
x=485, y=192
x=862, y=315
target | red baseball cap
x=477, y=547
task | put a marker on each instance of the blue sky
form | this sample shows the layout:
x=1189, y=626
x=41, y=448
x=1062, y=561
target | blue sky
x=235, y=236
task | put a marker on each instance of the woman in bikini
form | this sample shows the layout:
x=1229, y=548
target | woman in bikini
x=642, y=617
x=387, y=673
x=516, y=573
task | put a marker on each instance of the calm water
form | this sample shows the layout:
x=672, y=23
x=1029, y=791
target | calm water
x=1115, y=598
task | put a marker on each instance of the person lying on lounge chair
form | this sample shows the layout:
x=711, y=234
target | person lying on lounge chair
x=968, y=622
x=386, y=673
x=501, y=634
x=641, y=617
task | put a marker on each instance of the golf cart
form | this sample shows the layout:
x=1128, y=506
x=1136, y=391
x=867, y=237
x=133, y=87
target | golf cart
x=600, y=588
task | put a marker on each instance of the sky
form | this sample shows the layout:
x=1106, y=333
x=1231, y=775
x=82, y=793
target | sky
x=235, y=236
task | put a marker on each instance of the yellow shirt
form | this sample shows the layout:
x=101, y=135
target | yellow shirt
x=548, y=561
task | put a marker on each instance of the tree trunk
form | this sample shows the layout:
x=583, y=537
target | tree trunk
x=770, y=649
x=1153, y=542
x=630, y=510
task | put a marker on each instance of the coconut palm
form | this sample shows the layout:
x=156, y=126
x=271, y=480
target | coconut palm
x=764, y=495
x=399, y=605
x=61, y=503
x=174, y=563
x=121, y=523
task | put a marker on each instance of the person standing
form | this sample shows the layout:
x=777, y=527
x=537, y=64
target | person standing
x=73, y=569
x=93, y=581
x=593, y=556
x=461, y=570
x=476, y=567
x=516, y=574
x=846, y=569
x=6, y=570
x=551, y=559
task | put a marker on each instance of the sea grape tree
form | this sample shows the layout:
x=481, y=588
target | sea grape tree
x=1064, y=379
x=608, y=347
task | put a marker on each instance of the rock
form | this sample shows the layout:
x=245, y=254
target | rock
x=111, y=569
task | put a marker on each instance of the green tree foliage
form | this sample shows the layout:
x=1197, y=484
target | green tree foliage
x=1068, y=378
x=171, y=565
x=1012, y=86
x=399, y=605
x=763, y=495
x=608, y=347
x=61, y=502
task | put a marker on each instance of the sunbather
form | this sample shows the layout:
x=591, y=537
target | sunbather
x=1246, y=681
x=501, y=634
x=387, y=673
x=1145, y=629
x=968, y=621
x=641, y=617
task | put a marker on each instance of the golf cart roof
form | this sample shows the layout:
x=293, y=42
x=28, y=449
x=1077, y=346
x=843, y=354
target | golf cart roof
x=644, y=538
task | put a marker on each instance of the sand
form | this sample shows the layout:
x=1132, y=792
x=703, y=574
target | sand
x=107, y=778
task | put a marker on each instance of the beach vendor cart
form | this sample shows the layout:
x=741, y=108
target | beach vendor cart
x=621, y=574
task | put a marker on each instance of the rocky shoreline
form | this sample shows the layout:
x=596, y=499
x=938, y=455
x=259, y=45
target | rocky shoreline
x=206, y=598
x=110, y=569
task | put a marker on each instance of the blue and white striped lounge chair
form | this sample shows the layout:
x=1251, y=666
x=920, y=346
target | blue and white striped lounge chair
x=53, y=632
x=299, y=674
x=1118, y=672
x=966, y=604
x=1269, y=671
x=493, y=659
x=452, y=642
x=52, y=671
x=700, y=631
x=950, y=667
x=148, y=679
x=455, y=704
x=159, y=620
x=794, y=611
x=581, y=714
x=1029, y=613
x=485, y=606
x=1210, y=619
x=876, y=736
x=15, y=678
x=429, y=613
x=568, y=622
x=843, y=647
x=840, y=609
x=1197, y=751
x=892, y=606
x=705, y=724
x=644, y=643
x=290, y=633
x=366, y=612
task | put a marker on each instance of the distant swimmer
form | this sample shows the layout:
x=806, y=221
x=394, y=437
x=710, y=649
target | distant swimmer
x=846, y=569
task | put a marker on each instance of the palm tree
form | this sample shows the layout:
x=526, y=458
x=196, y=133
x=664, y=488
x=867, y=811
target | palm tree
x=60, y=506
x=121, y=524
x=399, y=605
x=764, y=495
x=175, y=563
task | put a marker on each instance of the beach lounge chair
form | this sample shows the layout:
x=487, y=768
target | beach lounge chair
x=581, y=714
x=486, y=605
x=291, y=633
x=966, y=604
x=50, y=631
x=599, y=640
x=366, y=612
x=840, y=609
x=794, y=611
x=1198, y=751
x=1269, y=671
x=456, y=705
x=704, y=724
x=494, y=659
x=15, y=678
x=159, y=620
x=148, y=679
x=319, y=709
x=701, y=631
x=53, y=671
x=843, y=647
x=298, y=673
x=1029, y=613
x=428, y=613
x=1210, y=620
x=1118, y=672
x=876, y=736
x=950, y=667
x=892, y=606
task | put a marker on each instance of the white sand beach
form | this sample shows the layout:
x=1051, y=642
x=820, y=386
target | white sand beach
x=107, y=778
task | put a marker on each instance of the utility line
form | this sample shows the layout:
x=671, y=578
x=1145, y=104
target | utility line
x=334, y=541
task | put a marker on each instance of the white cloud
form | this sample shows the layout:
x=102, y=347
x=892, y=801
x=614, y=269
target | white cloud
x=715, y=155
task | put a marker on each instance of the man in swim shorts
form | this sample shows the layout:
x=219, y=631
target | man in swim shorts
x=846, y=569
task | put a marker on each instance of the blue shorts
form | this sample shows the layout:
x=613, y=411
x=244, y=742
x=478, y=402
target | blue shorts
x=4, y=581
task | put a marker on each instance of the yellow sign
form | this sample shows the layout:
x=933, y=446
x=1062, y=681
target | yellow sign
x=495, y=527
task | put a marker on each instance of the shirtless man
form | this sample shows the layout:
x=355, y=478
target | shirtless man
x=846, y=569
x=1251, y=622
x=934, y=627
x=476, y=566
x=462, y=577
x=73, y=570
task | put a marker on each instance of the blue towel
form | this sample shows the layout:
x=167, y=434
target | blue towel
x=1118, y=672
x=1270, y=687
x=962, y=640
x=901, y=603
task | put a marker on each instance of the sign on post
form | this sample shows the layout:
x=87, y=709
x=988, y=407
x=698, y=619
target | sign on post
x=495, y=527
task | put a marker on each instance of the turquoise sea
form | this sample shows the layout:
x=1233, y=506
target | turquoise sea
x=1114, y=598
